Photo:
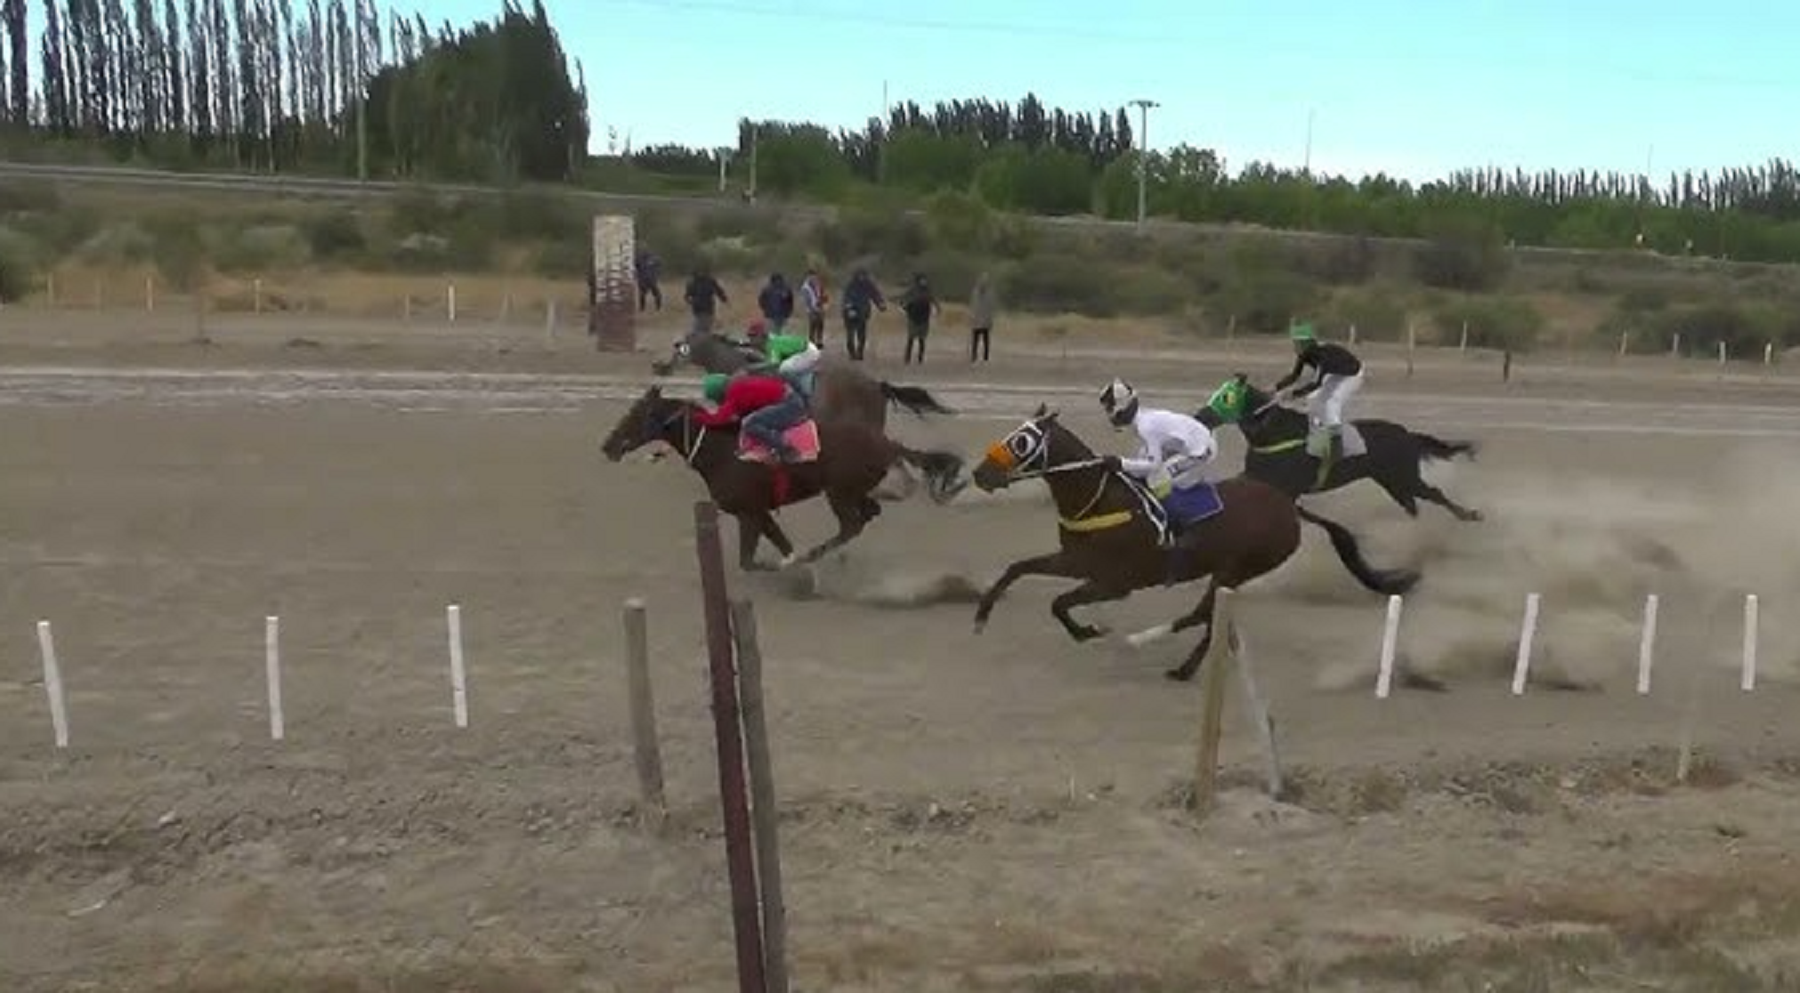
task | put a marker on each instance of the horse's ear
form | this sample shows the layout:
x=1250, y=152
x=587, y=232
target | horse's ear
x=1043, y=410
x=1053, y=415
x=1241, y=378
x=655, y=392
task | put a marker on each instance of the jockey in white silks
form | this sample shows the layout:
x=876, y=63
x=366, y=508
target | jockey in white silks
x=1173, y=449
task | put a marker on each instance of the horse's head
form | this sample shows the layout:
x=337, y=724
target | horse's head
x=1034, y=448
x=1235, y=401
x=649, y=420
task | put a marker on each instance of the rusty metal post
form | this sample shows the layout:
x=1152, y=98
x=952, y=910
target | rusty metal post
x=733, y=793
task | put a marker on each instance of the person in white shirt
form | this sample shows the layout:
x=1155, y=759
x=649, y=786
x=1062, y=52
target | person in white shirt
x=1173, y=450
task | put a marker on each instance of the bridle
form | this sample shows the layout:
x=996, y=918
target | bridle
x=691, y=437
x=1025, y=454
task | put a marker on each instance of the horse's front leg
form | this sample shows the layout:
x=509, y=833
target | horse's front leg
x=1091, y=591
x=751, y=529
x=1054, y=564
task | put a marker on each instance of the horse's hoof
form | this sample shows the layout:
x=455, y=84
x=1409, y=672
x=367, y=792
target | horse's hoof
x=1474, y=516
x=791, y=560
x=1088, y=634
x=1177, y=675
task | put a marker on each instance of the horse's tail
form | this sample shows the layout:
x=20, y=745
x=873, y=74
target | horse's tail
x=1431, y=447
x=916, y=399
x=1390, y=582
x=944, y=471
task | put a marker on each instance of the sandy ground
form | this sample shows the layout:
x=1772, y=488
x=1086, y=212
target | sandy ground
x=992, y=812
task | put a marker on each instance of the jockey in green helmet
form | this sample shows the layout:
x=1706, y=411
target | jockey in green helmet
x=1337, y=375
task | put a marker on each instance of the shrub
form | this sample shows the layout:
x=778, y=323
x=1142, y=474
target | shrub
x=1377, y=313
x=21, y=265
x=261, y=248
x=1466, y=254
x=1262, y=300
x=1494, y=322
x=1061, y=284
x=334, y=234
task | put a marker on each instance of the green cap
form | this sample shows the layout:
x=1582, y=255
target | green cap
x=1302, y=332
x=1227, y=401
x=713, y=386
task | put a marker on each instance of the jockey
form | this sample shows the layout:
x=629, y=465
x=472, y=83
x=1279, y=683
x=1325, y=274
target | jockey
x=765, y=407
x=1338, y=374
x=1173, y=448
x=794, y=357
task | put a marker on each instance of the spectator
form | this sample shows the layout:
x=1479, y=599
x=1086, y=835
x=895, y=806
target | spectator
x=649, y=277
x=981, y=317
x=776, y=302
x=703, y=294
x=919, y=304
x=860, y=295
x=812, y=293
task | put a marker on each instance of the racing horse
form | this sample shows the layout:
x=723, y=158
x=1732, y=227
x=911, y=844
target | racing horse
x=1111, y=530
x=844, y=391
x=1388, y=453
x=847, y=461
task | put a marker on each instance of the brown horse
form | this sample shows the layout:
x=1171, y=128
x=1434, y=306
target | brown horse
x=1110, y=528
x=853, y=458
x=843, y=391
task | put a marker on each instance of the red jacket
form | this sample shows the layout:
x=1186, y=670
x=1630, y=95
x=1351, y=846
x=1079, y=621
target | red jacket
x=744, y=395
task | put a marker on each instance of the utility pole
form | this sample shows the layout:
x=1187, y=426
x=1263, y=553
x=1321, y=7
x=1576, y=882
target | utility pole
x=1144, y=106
x=1306, y=167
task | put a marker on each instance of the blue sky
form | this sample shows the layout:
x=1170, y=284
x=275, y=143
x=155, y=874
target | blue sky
x=1411, y=88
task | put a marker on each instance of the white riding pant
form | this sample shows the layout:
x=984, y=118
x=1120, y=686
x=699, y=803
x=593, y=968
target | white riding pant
x=1326, y=405
x=801, y=363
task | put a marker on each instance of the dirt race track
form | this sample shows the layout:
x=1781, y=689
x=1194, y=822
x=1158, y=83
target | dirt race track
x=962, y=812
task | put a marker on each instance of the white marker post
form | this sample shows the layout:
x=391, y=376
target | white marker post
x=1721, y=353
x=1768, y=353
x=53, y=685
x=450, y=301
x=272, y=673
x=1750, y=625
x=1527, y=634
x=459, y=687
x=1647, y=644
x=1390, y=637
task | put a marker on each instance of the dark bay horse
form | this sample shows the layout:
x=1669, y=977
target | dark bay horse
x=1109, y=528
x=1277, y=454
x=853, y=458
x=843, y=392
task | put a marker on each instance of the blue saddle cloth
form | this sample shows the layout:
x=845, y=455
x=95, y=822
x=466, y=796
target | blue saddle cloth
x=1193, y=504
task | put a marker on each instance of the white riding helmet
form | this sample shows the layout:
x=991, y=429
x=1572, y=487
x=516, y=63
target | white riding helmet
x=1120, y=402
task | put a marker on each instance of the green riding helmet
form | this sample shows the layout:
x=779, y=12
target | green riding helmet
x=712, y=387
x=1302, y=334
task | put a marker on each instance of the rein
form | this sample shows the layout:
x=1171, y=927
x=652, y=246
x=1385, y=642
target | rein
x=1080, y=522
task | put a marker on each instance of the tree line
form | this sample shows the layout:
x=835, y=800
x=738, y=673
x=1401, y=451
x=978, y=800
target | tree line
x=269, y=85
x=344, y=87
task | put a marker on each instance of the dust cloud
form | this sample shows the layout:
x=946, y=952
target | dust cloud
x=1593, y=547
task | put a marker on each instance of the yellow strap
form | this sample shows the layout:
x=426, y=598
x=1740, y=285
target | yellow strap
x=1280, y=446
x=1099, y=522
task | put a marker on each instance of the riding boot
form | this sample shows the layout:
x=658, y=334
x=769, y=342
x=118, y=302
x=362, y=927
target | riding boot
x=1334, y=450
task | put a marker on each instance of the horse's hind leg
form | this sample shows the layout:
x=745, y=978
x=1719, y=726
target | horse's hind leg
x=1432, y=494
x=1091, y=591
x=1402, y=493
x=1201, y=614
x=851, y=521
x=909, y=484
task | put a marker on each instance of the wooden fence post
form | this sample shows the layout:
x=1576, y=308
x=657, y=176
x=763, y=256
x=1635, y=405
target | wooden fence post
x=735, y=806
x=765, y=813
x=643, y=712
